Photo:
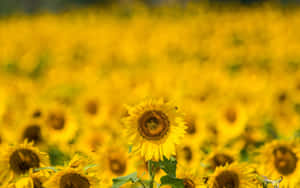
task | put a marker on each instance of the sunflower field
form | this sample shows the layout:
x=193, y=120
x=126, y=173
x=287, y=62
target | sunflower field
x=139, y=97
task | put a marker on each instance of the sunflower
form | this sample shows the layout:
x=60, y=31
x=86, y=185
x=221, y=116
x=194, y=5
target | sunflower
x=154, y=127
x=233, y=175
x=17, y=160
x=220, y=157
x=280, y=158
x=59, y=124
x=191, y=179
x=188, y=153
x=113, y=161
x=32, y=130
x=91, y=140
x=72, y=177
x=32, y=180
x=231, y=121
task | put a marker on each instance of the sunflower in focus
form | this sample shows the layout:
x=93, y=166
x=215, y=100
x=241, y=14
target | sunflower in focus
x=280, y=158
x=17, y=160
x=233, y=175
x=154, y=127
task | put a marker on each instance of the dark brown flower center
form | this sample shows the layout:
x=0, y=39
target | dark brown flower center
x=220, y=160
x=37, y=183
x=73, y=180
x=37, y=114
x=231, y=115
x=282, y=97
x=56, y=120
x=188, y=183
x=117, y=166
x=285, y=160
x=33, y=133
x=191, y=125
x=22, y=160
x=153, y=125
x=91, y=107
x=227, y=179
x=188, y=154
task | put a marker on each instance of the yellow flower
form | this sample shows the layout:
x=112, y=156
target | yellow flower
x=33, y=180
x=220, y=157
x=234, y=175
x=154, y=128
x=74, y=175
x=60, y=125
x=280, y=158
x=191, y=179
x=113, y=161
x=16, y=160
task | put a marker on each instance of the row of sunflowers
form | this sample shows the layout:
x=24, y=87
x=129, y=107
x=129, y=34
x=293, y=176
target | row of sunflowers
x=132, y=97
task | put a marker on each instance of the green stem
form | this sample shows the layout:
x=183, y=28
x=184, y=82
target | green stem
x=151, y=173
x=141, y=182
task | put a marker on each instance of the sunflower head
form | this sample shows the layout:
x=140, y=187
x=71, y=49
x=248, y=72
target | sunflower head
x=74, y=175
x=20, y=159
x=220, y=157
x=281, y=158
x=233, y=176
x=154, y=128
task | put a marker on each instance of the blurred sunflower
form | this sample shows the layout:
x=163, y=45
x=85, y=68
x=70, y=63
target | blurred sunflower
x=32, y=130
x=231, y=121
x=191, y=179
x=113, y=161
x=280, y=158
x=17, y=160
x=75, y=174
x=233, y=175
x=154, y=127
x=32, y=180
x=188, y=153
x=220, y=157
x=60, y=124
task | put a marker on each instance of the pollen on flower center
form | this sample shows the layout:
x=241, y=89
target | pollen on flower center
x=188, y=183
x=22, y=160
x=285, y=160
x=228, y=179
x=153, y=125
x=117, y=166
x=73, y=180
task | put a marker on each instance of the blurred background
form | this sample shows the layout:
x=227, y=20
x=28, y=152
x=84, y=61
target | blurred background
x=32, y=6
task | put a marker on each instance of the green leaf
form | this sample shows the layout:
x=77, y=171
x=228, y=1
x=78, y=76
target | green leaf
x=89, y=166
x=45, y=168
x=57, y=157
x=168, y=165
x=119, y=181
x=270, y=129
x=174, y=182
